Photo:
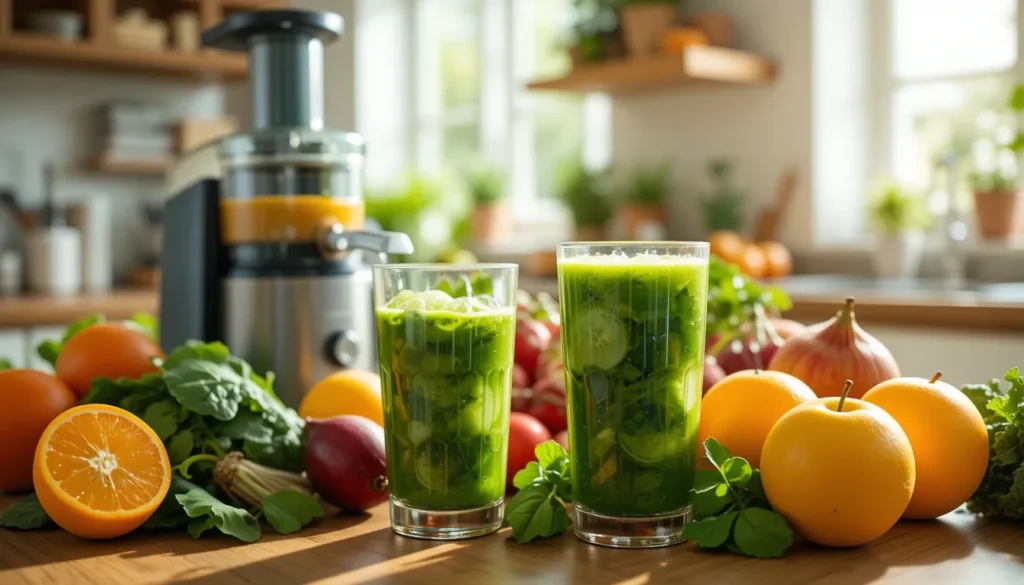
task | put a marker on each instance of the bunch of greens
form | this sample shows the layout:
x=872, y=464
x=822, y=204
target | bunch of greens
x=723, y=208
x=205, y=404
x=649, y=185
x=731, y=510
x=734, y=299
x=486, y=185
x=587, y=195
x=895, y=210
x=545, y=487
x=1001, y=492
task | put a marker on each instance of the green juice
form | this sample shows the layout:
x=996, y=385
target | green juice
x=633, y=344
x=446, y=367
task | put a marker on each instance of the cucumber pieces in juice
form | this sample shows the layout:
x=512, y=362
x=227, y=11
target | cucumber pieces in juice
x=448, y=365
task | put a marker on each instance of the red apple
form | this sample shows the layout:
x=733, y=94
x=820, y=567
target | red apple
x=532, y=339
x=549, y=403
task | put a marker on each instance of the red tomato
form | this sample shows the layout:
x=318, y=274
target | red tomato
x=524, y=434
x=522, y=398
x=520, y=377
x=532, y=339
x=563, y=439
x=549, y=403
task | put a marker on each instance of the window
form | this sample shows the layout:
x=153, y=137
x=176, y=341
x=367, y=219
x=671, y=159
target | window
x=441, y=86
x=947, y=80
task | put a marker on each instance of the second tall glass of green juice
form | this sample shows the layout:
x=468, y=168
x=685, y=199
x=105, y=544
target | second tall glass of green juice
x=633, y=326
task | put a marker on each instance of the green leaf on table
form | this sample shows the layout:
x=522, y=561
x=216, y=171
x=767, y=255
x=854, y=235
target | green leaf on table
x=206, y=388
x=180, y=446
x=209, y=512
x=536, y=512
x=736, y=471
x=170, y=513
x=527, y=475
x=716, y=452
x=762, y=533
x=162, y=417
x=147, y=324
x=49, y=351
x=5, y=364
x=711, y=501
x=289, y=511
x=192, y=350
x=26, y=514
x=711, y=532
x=247, y=426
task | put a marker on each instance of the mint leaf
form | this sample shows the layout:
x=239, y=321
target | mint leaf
x=26, y=514
x=762, y=533
x=527, y=475
x=289, y=511
x=209, y=389
x=755, y=488
x=196, y=350
x=209, y=512
x=711, y=501
x=736, y=471
x=180, y=446
x=5, y=364
x=162, y=417
x=550, y=453
x=716, y=452
x=49, y=351
x=711, y=532
x=536, y=512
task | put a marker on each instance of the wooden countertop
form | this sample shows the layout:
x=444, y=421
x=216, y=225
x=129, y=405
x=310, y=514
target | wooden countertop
x=29, y=311
x=362, y=549
x=949, y=310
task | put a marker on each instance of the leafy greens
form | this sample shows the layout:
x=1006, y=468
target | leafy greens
x=545, y=487
x=1001, y=492
x=734, y=298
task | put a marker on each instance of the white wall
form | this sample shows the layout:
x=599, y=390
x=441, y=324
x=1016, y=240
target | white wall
x=764, y=129
x=48, y=115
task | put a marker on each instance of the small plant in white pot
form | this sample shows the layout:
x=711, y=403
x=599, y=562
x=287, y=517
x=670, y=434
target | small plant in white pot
x=491, y=221
x=644, y=24
x=899, y=218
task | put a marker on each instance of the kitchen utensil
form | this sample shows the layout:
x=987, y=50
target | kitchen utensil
x=770, y=218
x=54, y=256
x=93, y=220
x=185, y=31
x=260, y=258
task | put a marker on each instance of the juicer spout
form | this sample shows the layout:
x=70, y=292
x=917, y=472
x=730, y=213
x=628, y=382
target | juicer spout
x=335, y=240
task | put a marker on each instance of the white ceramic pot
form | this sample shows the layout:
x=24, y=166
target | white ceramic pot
x=899, y=256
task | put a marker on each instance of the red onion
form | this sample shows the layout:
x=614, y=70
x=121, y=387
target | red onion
x=345, y=461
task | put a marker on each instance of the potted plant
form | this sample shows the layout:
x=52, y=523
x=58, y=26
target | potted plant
x=723, y=208
x=899, y=217
x=644, y=199
x=998, y=205
x=491, y=219
x=595, y=32
x=644, y=24
x=586, y=194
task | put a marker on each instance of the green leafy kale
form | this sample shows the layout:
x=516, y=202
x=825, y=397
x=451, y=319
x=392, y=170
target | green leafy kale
x=731, y=510
x=545, y=486
x=1001, y=492
x=733, y=298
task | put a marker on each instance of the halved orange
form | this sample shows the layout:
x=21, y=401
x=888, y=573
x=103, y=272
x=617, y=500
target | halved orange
x=99, y=471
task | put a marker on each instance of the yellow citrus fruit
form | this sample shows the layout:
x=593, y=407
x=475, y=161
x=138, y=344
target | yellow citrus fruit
x=948, y=436
x=347, y=392
x=99, y=471
x=841, y=478
x=741, y=408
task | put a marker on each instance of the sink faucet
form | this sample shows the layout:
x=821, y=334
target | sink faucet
x=954, y=229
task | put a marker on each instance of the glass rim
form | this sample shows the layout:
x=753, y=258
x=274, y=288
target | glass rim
x=439, y=267
x=636, y=244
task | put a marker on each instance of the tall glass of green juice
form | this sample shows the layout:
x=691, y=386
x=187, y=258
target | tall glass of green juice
x=446, y=338
x=633, y=316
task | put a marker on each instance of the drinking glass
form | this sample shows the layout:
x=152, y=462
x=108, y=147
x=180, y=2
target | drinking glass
x=446, y=338
x=633, y=316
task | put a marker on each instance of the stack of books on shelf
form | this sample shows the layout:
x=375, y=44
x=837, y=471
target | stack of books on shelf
x=135, y=134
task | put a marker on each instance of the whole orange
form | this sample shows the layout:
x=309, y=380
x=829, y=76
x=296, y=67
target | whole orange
x=727, y=245
x=346, y=392
x=778, y=261
x=105, y=350
x=29, y=400
x=753, y=262
x=741, y=408
x=841, y=472
x=948, y=436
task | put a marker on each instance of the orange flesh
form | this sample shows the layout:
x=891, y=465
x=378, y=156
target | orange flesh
x=286, y=218
x=104, y=462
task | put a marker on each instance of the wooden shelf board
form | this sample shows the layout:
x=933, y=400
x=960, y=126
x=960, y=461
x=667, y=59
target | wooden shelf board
x=696, y=65
x=129, y=167
x=45, y=50
x=247, y=4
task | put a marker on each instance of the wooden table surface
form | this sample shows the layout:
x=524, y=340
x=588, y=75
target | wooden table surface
x=362, y=549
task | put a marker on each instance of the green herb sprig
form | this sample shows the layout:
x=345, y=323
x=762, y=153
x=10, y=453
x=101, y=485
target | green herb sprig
x=545, y=487
x=731, y=509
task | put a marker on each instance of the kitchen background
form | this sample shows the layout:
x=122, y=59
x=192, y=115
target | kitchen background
x=873, y=140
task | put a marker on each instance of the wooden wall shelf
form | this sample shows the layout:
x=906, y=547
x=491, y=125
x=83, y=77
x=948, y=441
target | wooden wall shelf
x=696, y=66
x=129, y=168
x=52, y=52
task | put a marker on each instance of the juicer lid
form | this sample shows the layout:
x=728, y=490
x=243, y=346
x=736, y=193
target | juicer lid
x=293, y=146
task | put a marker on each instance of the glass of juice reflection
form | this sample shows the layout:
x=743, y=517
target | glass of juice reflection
x=446, y=338
x=633, y=318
